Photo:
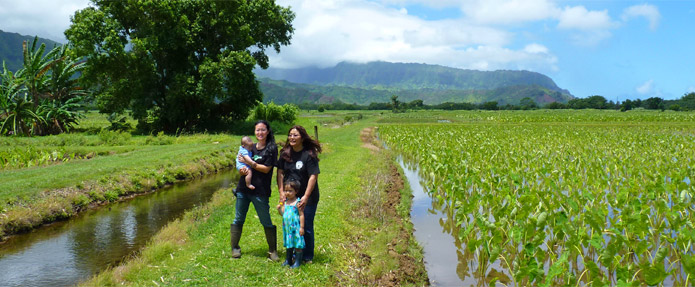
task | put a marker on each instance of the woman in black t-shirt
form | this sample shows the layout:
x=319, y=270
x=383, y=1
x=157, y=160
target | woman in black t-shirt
x=264, y=156
x=299, y=161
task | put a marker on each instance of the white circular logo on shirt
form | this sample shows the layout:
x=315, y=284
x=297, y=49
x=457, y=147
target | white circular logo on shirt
x=300, y=164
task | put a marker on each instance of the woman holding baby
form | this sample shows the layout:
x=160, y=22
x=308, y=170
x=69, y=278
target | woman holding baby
x=264, y=157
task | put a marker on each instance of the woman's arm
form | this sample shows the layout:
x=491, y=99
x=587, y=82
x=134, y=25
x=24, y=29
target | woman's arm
x=309, y=188
x=301, y=221
x=253, y=164
x=280, y=178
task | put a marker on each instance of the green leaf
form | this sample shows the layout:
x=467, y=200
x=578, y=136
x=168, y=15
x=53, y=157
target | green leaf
x=655, y=274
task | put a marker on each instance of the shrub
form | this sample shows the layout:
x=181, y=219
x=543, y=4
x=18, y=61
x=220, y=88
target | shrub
x=113, y=138
x=271, y=112
x=159, y=139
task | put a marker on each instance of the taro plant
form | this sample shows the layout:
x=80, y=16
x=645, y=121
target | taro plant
x=562, y=203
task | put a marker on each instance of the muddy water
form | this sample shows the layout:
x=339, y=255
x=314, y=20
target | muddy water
x=64, y=253
x=447, y=260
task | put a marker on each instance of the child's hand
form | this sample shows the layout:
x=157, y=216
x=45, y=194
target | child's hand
x=301, y=231
x=279, y=207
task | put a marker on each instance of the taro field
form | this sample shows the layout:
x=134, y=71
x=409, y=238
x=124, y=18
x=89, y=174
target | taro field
x=569, y=198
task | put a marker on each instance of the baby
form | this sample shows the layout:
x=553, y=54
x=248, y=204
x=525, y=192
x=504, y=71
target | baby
x=244, y=151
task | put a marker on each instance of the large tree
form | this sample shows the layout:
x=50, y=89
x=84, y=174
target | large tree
x=178, y=64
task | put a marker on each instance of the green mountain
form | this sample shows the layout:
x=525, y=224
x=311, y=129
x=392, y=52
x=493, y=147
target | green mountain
x=11, y=48
x=378, y=81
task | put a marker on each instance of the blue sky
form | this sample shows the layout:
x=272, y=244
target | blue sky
x=617, y=49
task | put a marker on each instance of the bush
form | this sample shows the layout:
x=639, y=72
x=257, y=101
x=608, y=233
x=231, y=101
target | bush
x=159, y=139
x=271, y=112
x=119, y=122
x=113, y=138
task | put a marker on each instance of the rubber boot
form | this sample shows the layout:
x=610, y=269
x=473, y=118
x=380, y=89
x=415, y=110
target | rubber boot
x=298, y=253
x=271, y=236
x=288, y=257
x=235, y=235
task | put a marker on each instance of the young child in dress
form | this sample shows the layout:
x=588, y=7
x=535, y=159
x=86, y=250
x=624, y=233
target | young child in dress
x=244, y=151
x=292, y=224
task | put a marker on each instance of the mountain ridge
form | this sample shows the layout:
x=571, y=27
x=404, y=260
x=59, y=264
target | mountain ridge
x=434, y=84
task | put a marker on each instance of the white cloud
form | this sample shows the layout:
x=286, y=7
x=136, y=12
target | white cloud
x=586, y=28
x=359, y=31
x=46, y=18
x=650, y=12
x=580, y=18
x=438, y=4
x=536, y=49
x=646, y=88
x=508, y=11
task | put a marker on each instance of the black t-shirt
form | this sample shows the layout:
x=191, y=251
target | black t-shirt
x=300, y=168
x=261, y=181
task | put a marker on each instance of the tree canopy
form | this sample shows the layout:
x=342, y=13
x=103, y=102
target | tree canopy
x=178, y=64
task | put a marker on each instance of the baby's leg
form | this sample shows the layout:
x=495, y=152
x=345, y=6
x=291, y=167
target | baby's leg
x=248, y=181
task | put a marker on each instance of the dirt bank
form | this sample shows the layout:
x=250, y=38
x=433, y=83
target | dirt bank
x=387, y=204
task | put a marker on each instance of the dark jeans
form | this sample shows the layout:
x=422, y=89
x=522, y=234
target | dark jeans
x=309, y=213
x=260, y=203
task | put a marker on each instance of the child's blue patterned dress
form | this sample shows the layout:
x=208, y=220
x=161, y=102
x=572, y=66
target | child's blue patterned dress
x=290, y=226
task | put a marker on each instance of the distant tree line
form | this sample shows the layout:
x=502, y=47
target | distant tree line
x=685, y=103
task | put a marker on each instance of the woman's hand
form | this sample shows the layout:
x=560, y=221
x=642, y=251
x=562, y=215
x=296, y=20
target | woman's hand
x=282, y=197
x=242, y=159
x=302, y=203
x=244, y=171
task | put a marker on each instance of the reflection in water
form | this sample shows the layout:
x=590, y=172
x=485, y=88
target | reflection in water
x=64, y=253
x=447, y=260
x=442, y=252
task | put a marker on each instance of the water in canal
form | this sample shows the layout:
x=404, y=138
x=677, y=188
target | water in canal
x=65, y=253
x=447, y=260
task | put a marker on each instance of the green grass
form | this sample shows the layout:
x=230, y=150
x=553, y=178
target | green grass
x=28, y=182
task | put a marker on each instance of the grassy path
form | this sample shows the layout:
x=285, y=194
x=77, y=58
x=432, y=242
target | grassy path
x=195, y=250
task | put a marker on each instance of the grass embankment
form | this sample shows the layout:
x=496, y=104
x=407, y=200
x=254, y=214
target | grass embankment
x=35, y=189
x=363, y=236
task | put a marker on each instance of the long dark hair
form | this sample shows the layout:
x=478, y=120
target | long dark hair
x=308, y=143
x=270, y=139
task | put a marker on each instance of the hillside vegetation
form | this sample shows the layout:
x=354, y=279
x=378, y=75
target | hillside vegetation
x=378, y=81
x=11, y=48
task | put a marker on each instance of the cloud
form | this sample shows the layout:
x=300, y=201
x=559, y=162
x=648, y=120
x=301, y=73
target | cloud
x=584, y=27
x=646, y=88
x=439, y=4
x=45, y=18
x=580, y=18
x=329, y=32
x=650, y=12
x=508, y=11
